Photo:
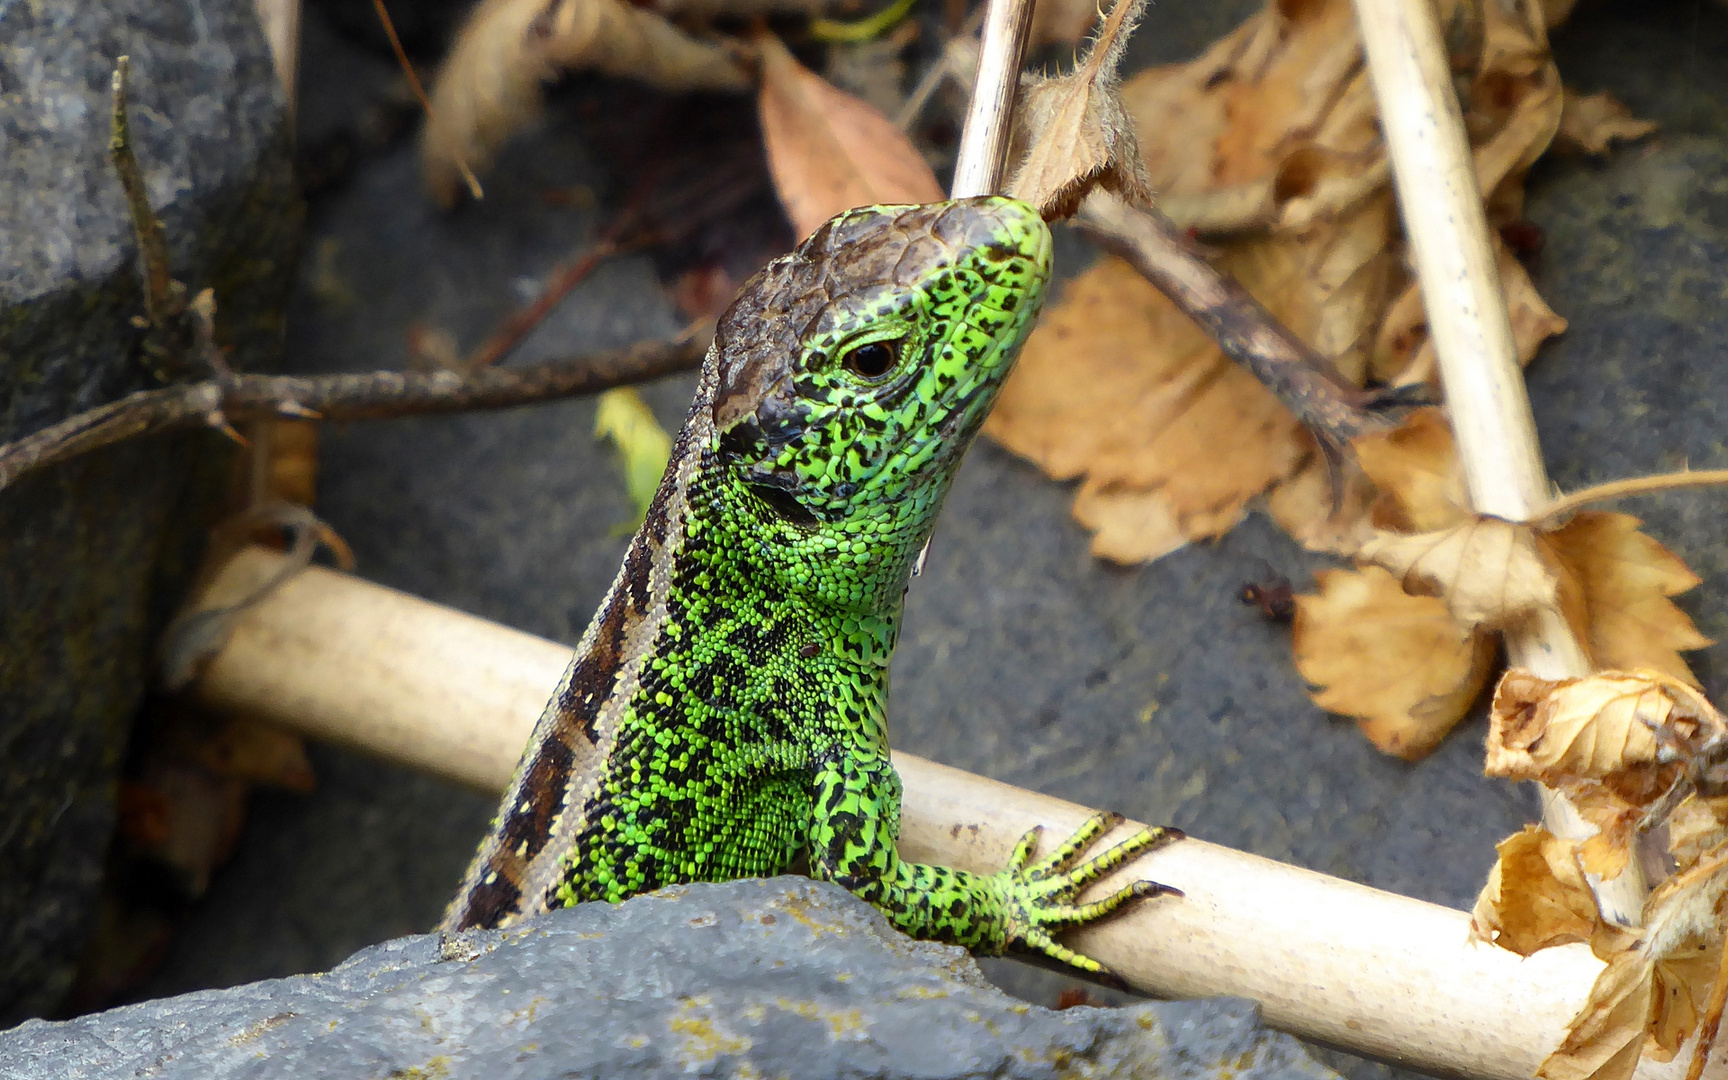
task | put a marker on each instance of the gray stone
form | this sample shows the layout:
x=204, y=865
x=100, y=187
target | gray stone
x=784, y=977
x=93, y=554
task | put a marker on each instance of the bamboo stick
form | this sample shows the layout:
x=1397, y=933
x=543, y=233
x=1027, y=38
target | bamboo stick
x=280, y=20
x=1382, y=975
x=1472, y=332
x=990, y=113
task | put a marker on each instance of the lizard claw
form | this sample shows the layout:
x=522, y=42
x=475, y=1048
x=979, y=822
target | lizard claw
x=1038, y=895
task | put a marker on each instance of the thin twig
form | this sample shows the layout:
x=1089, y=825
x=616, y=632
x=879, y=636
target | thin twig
x=233, y=398
x=1632, y=485
x=519, y=323
x=468, y=176
x=1333, y=409
x=163, y=300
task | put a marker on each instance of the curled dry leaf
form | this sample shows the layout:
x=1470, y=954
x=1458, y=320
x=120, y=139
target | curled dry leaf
x=1611, y=742
x=1407, y=479
x=829, y=151
x=1591, y=122
x=1651, y=997
x=1594, y=728
x=1404, y=354
x=1395, y=662
x=1487, y=570
x=1618, y=744
x=1077, y=133
x=1611, y=581
x=489, y=87
x=1697, y=825
x=1536, y=895
x=1415, y=469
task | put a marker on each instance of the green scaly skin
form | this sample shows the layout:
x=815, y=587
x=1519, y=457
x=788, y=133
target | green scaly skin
x=844, y=386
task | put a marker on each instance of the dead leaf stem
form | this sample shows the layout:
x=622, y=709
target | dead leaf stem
x=1632, y=485
x=371, y=395
x=456, y=158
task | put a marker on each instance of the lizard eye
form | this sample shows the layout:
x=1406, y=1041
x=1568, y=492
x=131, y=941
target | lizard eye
x=871, y=360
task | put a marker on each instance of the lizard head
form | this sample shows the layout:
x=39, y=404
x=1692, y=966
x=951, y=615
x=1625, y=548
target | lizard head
x=854, y=372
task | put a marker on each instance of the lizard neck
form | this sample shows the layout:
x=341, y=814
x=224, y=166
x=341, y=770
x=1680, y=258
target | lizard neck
x=800, y=593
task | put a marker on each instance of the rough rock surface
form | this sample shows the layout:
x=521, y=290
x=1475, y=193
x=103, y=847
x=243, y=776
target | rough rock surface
x=785, y=977
x=93, y=553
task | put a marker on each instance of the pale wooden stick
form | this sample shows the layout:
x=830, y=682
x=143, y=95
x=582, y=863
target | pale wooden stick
x=1472, y=332
x=990, y=116
x=281, y=22
x=340, y=659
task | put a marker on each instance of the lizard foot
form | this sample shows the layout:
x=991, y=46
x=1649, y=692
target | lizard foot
x=1039, y=895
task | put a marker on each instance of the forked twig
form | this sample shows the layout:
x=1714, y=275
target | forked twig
x=233, y=398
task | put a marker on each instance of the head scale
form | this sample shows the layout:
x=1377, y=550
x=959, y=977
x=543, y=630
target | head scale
x=854, y=372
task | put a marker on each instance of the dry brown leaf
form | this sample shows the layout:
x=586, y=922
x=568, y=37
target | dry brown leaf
x=1696, y=826
x=1062, y=22
x=1403, y=354
x=1395, y=662
x=1622, y=746
x=1415, y=468
x=1079, y=136
x=248, y=750
x=1593, y=728
x=1488, y=571
x=489, y=86
x=1305, y=507
x=1625, y=578
x=1406, y=479
x=1272, y=137
x=1536, y=895
x=1650, y=997
x=1591, y=122
x=828, y=150
x=1143, y=422
x=1617, y=814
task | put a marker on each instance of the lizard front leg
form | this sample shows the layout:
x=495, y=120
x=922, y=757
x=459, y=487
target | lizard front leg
x=854, y=829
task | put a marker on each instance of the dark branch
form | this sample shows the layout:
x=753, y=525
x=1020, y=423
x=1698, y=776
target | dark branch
x=1330, y=407
x=233, y=398
x=162, y=296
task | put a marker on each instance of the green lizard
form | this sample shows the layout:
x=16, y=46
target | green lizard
x=726, y=712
